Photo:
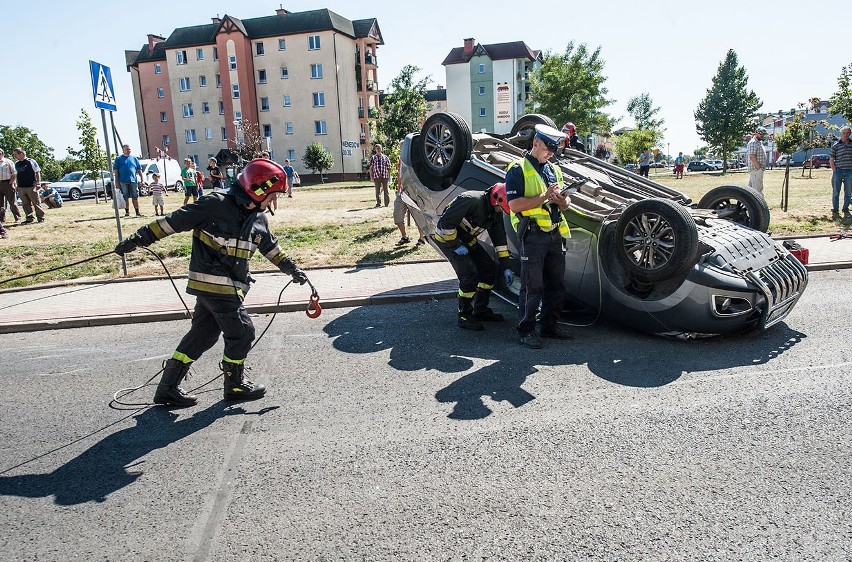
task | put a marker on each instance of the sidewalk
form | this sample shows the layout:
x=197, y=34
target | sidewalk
x=153, y=300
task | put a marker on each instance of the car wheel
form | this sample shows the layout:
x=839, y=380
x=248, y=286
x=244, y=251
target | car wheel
x=430, y=180
x=656, y=239
x=178, y=186
x=75, y=194
x=445, y=144
x=524, y=128
x=739, y=204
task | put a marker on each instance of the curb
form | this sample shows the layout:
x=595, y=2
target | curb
x=141, y=318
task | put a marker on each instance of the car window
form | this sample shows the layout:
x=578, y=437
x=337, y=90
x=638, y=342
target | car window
x=153, y=169
x=72, y=176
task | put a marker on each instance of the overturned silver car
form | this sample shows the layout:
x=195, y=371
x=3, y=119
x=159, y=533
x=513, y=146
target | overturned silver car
x=640, y=253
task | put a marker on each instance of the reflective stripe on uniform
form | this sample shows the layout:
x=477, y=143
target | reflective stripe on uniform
x=469, y=295
x=502, y=251
x=234, y=361
x=484, y=286
x=275, y=255
x=236, y=248
x=161, y=228
x=217, y=281
x=445, y=234
x=182, y=357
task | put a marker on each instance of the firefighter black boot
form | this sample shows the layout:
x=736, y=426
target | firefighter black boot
x=481, y=311
x=237, y=386
x=168, y=391
x=466, y=319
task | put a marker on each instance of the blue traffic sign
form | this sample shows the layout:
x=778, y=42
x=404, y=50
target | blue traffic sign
x=102, y=86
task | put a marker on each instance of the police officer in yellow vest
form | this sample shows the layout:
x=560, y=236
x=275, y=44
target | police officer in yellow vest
x=533, y=189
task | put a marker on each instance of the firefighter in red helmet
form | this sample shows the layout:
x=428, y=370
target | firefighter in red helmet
x=227, y=228
x=571, y=139
x=464, y=219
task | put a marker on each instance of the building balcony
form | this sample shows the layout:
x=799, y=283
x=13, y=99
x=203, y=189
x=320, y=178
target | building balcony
x=370, y=58
x=360, y=113
x=371, y=85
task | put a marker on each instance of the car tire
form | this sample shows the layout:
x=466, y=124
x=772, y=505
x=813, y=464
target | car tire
x=524, y=128
x=739, y=204
x=178, y=186
x=75, y=194
x=445, y=144
x=655, y=240
x=429, y=180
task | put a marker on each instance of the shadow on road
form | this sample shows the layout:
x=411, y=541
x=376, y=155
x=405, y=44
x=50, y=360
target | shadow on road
x=114, y=462
x=610, y=352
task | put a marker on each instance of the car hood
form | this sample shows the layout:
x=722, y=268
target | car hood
x=65, y=184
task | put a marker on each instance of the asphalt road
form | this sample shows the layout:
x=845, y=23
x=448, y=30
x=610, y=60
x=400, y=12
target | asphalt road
x=388, y=434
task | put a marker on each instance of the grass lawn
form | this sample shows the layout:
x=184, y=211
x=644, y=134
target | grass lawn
x=330, y=225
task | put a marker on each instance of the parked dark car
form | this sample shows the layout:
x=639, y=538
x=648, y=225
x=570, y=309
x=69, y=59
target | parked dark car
x=700, y=166
x=817, y=161
x=640, y=253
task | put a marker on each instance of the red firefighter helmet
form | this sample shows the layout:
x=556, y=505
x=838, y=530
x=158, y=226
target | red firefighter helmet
x=569, y=129
x=497, y=197
x=261, y=178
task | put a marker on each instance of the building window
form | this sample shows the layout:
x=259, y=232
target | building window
x=288, y=128
x=264, y=104
x=482, y=90
x=313, y=42
x=286, y=101
x=232, y=62
x=181, y=57
x=221, y=107
x=320, y=127
x=215, y=53
x=199, y=54
x=482, y=112
x=161, y=93
x=282, y=44
x=258, y=49
x=224, y=134
x=319, y=99
x=482, y=69
x=284, y=72
x=218, y=81
x=267, y=131
x=185, y=84
x=187, y=110
x=238, y=115
x=163, y=117
x=235, y=89
x=190, y=136
x=157, y=69
x=272, y=155
x=291, y=154
x=208, y=133
x=261, y=76
x=316, y=71
x=205, y=107
x=202, y=81
x=167, y=140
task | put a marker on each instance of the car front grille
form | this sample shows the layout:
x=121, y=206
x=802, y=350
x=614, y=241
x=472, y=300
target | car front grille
x=782, y=282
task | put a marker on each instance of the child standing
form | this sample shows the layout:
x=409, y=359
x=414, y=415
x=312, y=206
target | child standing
x=158, y=190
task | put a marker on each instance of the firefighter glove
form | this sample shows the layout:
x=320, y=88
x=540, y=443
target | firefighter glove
x=299, y=276
x=128, y=244
x=461, y=250
x=508, y=276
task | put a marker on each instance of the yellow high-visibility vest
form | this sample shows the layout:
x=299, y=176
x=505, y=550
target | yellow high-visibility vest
x=533, y=187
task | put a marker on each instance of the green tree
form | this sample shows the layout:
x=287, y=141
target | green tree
x=570, y=87
x=15, y=137
x=841, y=101
x=318, y=159
x=404, y=108
x=629, y=145
x=89, y=156
x=727, y=112
x=642, y=109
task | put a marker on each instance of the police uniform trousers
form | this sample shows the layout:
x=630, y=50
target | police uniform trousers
x=213, y=316
x=474, y=268
x=542, y=279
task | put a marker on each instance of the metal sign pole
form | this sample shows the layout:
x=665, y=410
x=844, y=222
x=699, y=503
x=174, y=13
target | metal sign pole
x=115, y=187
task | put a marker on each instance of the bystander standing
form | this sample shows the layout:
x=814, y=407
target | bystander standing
x=28, y=178
x=756, y=159
x=380, y=174
x=840, y=161
x=8, y=180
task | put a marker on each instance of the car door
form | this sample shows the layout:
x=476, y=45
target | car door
x=87, y=184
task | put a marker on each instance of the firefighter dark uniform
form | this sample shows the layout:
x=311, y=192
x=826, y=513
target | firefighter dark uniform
x=227, y=229
x=464, y=219
x=541, y=232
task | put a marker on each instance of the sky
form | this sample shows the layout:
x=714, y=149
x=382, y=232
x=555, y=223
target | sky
x=669, y=49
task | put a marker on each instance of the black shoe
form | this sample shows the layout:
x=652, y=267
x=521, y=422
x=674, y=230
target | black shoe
x=531, y=341
x=41, y=219
x=237, y=386
x=488, y=315
x=28, y=220
x=126, y=214
x=138, y=214
x=403, y=240
x=169, y=392
x=469, y=323
x=556, y=332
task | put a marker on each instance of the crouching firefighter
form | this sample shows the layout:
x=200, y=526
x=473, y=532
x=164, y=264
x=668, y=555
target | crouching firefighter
x=468, y=215
x=227, y=228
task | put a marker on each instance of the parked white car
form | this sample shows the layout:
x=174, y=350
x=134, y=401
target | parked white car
x=169, y=171
x=74, y=185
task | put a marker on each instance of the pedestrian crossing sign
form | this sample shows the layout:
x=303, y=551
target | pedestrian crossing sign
x=102, y=86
